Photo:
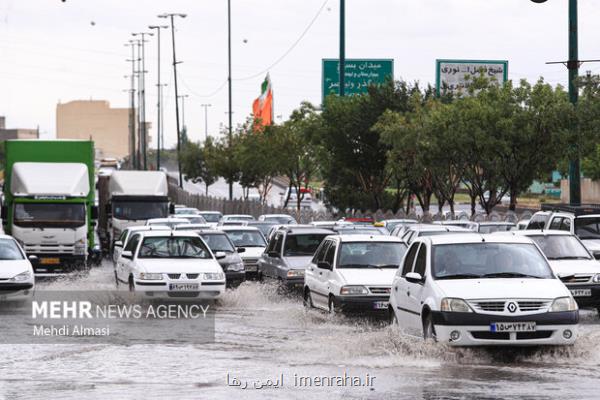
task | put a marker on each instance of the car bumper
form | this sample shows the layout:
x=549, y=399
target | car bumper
x=16, y=291
x=234, y=278
x=363, y=304
x=592, y=301
x=157, y=289
x=293, y=283
x=474, y=329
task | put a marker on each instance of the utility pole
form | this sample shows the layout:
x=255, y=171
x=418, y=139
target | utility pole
x=229, y=85
x=138, y=58
x=158, y=88
x=132, y=151
x=183, y=97
x=205, y=106
x=342, y=46
x=143, y=132
x=171, y=16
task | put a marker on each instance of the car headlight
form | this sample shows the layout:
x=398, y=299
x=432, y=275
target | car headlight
x=214, y=276
x=295, y=273
x=23, y=276
x=450, y=304
x=353, y=290
x=596, y=278
x=562, y=304
x=146, y=276
x=235, y=267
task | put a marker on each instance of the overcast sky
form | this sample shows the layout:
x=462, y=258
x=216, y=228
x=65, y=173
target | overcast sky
x=52, y=51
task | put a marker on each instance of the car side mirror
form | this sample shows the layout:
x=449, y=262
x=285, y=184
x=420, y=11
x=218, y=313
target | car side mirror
x=33, y=258
x=324, y=265
x=240, y=249
x=127, y=254
x=171, y=208
x=273, y=254
x=565, y=275
x=597, y=255
x=414, y=277
x=118, y=243
x=219, y=255
x=94, y=212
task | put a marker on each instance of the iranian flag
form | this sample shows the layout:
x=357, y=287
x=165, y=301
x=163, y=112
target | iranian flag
x=262, y=108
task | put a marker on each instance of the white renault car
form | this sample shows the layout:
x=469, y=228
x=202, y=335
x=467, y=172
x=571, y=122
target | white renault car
x=353, y=273
x=572, y=262
x=170, y=264
x=16, y=273
x=252, y=241
x=476, y=290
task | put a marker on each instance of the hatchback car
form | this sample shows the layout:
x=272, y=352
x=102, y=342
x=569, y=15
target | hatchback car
x=476, y=290
x=212, y=217
x=170, y=264
x=353, y=273
x=16, y=273
x=288, y=254
x=232, y=263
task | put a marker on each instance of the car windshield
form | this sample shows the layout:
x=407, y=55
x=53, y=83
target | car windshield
x=173, y=247
x=140, y=210
x=495, y=228
x=218, y=242
x=263, y=227
x=371, y=254
x=196, y=219
x=183, y=210
x=561, y=247
x=302, y=244
x=243, y=238
x=280, y=220
x=210, y=217
x=9, y=250
x=49, y=215
x=488, y=260
x=587, y=228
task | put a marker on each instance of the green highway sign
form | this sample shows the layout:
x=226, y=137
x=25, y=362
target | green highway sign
x=451, y=74
x=359, y=74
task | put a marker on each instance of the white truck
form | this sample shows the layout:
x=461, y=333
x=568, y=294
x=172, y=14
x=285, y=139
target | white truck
x=130, y=198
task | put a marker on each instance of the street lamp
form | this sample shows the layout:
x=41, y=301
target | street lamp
x=183, y=97
x=158, y=87
x=142, y=72
x=172, y=17
x=205, y=106
x=229, y=85
x=573, y=67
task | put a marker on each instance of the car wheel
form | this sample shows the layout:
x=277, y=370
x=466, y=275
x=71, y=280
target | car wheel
x=308, y=303
x=332, y=309
x=429, y=329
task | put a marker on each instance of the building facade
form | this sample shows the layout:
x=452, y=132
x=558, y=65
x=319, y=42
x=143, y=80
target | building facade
x=17, y=133
x=96, y=120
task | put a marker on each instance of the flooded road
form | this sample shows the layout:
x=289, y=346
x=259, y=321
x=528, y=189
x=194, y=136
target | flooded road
x=261, y=335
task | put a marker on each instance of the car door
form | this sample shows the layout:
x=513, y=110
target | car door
x=313, y=274
x=125, y=265
x=118, y=249
x=265, y=260
x=272, y=263
x=325, y=276
x=279, y=269
x=400, y=286
x=414, y=292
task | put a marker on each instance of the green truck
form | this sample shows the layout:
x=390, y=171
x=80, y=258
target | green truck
x=49, y=201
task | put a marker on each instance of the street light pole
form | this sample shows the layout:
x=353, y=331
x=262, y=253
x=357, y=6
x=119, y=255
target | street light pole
x=229, y=86
x=342, y=46
x=158, y=87
x=144, y=133
x=132, y=151
x=205, y=120
x=171, y=16
x=183, y=97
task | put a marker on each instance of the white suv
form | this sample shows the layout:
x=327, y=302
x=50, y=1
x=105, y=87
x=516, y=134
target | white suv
x=475, y=290
x=353, y=273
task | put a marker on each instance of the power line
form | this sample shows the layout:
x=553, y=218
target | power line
x=211, y=94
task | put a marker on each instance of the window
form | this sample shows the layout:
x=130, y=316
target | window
x=566, y=225
x=247, y=238
x=561, y=247
x=302, y=245
x=410, y=258
x=49, y=215
x=218, y=242
x=273, y=242
x=555, y=224
x=173, y=247
x=320, y=254
x=330, y=254
x=538, y=221
x=123, y=236
x=371, y=254
x=421, y=262
x=137, y=210
x=10, y=251
x=587, y=228
x=132, y=243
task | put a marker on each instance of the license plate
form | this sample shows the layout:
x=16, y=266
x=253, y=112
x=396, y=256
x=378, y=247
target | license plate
x=184, y=287
x=381, y=305
x=512, y=327
x=581, y=292
x=49, y=260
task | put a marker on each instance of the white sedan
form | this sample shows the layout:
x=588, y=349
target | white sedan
x=170, y=264
x=476, y=290
x=16, y=273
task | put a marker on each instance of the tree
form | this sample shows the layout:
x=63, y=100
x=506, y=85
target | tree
x=198, y=162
